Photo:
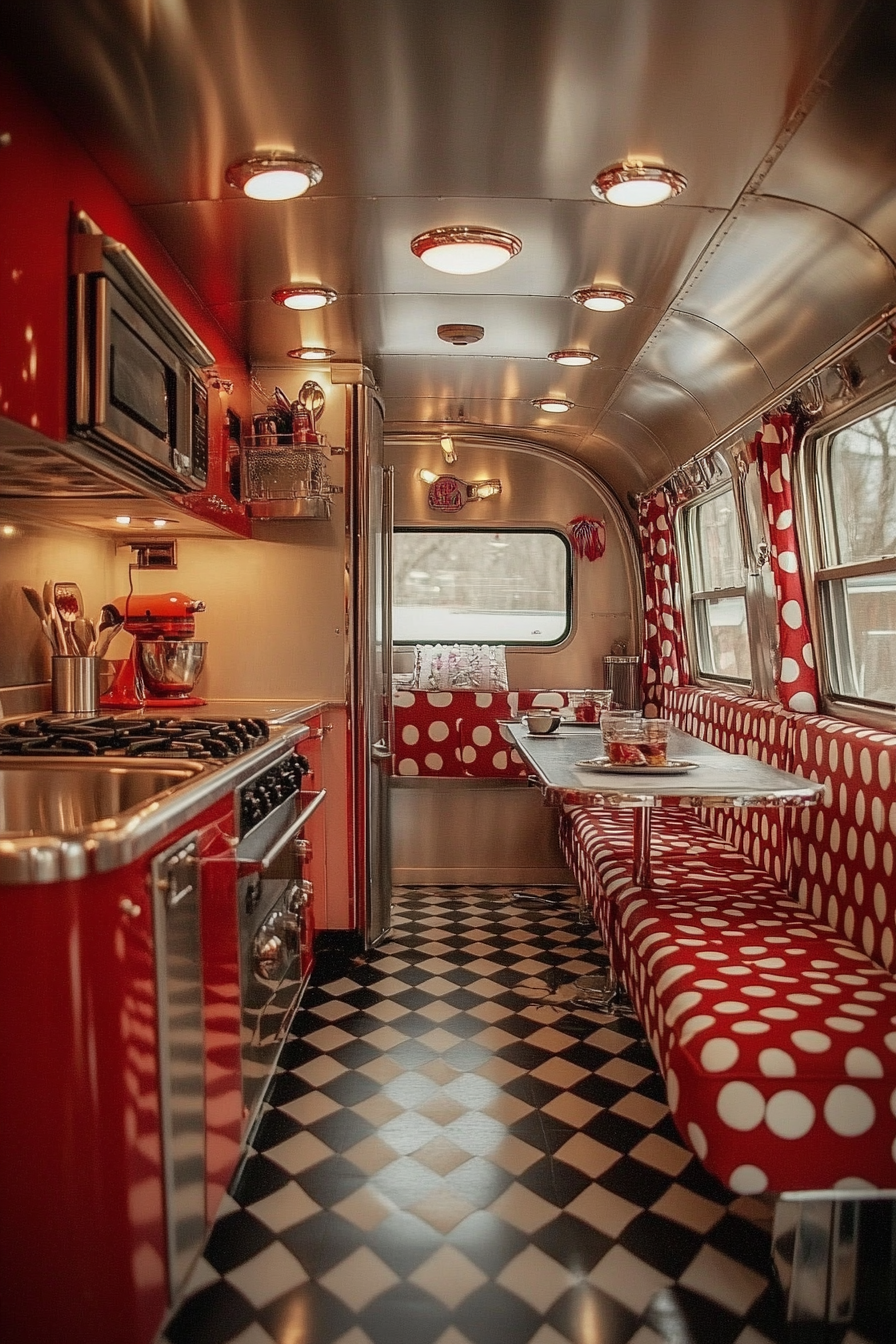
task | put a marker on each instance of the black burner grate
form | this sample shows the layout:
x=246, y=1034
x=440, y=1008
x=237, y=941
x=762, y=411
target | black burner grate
x=114, y=735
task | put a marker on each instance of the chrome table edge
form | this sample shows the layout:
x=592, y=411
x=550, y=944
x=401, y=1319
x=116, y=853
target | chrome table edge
x=114, y=842
x=762, y=785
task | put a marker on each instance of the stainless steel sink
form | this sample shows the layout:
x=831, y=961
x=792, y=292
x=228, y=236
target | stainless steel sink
x=67, y=797
x=62, y=818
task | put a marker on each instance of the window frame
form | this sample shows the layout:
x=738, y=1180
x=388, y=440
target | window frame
x=824, y=572
x=695, y=602
x=543, y=646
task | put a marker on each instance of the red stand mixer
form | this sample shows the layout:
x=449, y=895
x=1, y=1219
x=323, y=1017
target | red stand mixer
x=165, y=659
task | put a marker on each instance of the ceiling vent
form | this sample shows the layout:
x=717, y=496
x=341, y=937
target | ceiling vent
x=460, y=333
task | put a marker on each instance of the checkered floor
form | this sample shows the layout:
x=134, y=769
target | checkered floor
x=451, y=1153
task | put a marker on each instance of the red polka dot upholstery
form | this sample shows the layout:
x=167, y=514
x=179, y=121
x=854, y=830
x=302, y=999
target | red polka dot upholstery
x=843, y=852
x=776, y=1036
x=456, y=733
x=426, y=736
x=747, y=727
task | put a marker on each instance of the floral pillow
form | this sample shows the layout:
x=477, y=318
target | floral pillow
x=457, y=667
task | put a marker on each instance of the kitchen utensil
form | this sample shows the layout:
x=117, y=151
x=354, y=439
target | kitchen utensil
x=111, y=621
x=311, y=398
x=70, y=606
x=59, y=626
x=162, y=673
x=36, y=603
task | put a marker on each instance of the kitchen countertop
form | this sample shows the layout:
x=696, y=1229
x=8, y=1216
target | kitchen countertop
x=104, y=843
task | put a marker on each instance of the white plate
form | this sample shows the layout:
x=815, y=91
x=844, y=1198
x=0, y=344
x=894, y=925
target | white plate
x=603, y=765
x=541, y=736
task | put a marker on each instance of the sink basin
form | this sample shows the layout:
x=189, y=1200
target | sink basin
x=69, y=797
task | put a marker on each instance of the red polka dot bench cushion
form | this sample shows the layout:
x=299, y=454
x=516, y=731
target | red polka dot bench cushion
x=745, y=727
x=457, y=733
x=776, y=1036
x=842, y=852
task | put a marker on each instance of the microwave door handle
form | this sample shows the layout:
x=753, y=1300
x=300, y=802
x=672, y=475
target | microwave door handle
x=100, y=350
x=82, y=352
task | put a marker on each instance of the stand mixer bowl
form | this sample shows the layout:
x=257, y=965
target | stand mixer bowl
x=170, y=666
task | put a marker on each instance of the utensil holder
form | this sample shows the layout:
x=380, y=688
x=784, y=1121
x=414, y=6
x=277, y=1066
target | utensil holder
x=75, y=683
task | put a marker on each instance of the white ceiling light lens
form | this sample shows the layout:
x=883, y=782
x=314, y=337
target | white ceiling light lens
x=449, y=452
x=574, y=358
x=428, y=477
x=304, y=297
x=311, y=352
x=465, y=249
x=123, y=520
x=556, y=405
x=160, y=522
x=274, y=178
x=601, y=299
x=635, y=184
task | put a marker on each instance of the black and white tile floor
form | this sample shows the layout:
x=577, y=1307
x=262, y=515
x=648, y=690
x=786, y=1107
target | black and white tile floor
x=449, y=1155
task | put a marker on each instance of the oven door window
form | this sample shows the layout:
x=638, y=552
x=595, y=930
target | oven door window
x=139, y=381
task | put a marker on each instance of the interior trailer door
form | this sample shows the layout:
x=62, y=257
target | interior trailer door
x=369, y=519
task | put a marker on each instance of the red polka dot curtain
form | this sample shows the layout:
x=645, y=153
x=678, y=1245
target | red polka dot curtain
x=664, y=660
x=795, y=677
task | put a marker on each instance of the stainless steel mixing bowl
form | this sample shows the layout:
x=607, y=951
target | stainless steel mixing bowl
x=170, y=666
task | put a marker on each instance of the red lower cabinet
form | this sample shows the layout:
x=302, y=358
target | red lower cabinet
x=83, y=1250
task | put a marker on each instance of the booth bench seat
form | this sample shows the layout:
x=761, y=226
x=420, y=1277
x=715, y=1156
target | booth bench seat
x=760, y=960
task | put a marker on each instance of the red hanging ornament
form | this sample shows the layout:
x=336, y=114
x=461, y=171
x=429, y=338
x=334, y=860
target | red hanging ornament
x=588, y=537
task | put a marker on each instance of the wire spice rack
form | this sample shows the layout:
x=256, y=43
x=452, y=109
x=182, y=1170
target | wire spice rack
x=285, y=478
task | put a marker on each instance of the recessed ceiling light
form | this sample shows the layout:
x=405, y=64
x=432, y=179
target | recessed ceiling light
x=460, y=333
x=575, y=357
x=160, y=522
x=274, y=177
x=553, y=404
x=602, y=299
x=123, y=519
x=304, y=297
x=636, y=183
x=311, y=352
x=465, y=249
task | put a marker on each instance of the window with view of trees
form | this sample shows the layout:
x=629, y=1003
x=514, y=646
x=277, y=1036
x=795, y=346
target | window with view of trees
x=857, y=583
x=715, y=560
x=456, y=585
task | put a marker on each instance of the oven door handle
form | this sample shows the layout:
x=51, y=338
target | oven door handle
x=283, y=840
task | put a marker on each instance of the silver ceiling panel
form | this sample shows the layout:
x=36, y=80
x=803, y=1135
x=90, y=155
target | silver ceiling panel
x=690, y=351
x=395, y=97
x=844, y=159
x=672, y=416
x=501, y=113
x=466, y=376
x=788, y=282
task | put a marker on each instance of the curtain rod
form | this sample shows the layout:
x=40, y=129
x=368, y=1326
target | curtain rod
x=832, y=355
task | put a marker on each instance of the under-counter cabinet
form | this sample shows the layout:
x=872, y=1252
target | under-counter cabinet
x=83, y=1234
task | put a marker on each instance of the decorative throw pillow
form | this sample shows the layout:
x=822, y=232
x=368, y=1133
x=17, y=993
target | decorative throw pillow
x=447, y=667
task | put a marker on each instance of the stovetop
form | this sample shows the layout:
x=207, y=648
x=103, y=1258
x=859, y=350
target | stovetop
x=121, y=735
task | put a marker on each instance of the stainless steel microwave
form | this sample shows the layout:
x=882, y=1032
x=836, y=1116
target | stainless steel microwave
x=137, y=391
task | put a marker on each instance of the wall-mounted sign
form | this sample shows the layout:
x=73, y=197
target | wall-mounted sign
x=447, y=494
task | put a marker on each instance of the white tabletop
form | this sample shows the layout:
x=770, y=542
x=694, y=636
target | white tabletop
x=720, y=779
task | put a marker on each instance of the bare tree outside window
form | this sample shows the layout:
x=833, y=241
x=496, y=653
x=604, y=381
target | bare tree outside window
x=452, y=585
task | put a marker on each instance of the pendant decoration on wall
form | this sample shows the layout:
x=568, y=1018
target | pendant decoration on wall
x=588, y=537
x=449, y=494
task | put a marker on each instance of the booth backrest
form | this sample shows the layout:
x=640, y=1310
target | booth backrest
x=838, y=858
x=456, y=734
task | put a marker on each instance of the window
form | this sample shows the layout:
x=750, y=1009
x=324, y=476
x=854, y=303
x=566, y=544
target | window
x=463, y=585
x=856, y=583
x=715, y=561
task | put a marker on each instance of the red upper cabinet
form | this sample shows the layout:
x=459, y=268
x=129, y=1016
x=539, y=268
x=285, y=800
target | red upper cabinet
x=46, y=176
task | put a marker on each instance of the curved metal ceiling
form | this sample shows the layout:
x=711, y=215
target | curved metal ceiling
x=780, y=113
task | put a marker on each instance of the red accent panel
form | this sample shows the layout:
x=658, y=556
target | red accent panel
x=426, y=734
x=82, y=1184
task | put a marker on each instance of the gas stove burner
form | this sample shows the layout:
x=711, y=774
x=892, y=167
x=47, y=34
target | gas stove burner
x=116, y=735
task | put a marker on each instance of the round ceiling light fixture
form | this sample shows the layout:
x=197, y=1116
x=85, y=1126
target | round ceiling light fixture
x=575, y=358
x=465, y=249
x=311, y=352
x=636, y=183
x=274, y=177
x=460, y=333
x=554, y=404
x=603, y=299
x=304, y=297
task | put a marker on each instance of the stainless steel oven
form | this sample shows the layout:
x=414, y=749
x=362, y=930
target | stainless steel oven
x=136, y=387
x=274, y=910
